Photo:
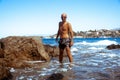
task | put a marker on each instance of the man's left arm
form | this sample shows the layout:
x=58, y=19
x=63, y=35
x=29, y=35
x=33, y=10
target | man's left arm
x=71, y=34
x=70, y=31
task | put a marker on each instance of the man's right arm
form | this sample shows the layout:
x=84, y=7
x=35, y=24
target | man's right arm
x=58, y=33
x=57, y=36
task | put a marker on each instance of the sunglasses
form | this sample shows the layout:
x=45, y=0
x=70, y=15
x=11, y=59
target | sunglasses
x=63, y=17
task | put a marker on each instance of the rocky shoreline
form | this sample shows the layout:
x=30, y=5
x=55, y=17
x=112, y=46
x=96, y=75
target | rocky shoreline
x=103, y=33
x=17, y=51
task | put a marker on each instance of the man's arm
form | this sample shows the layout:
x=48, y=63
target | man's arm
x=70, y=31
x=58, y=33
x=71, y=34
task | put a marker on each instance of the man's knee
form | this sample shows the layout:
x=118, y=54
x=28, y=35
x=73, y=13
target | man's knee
x=67, y=49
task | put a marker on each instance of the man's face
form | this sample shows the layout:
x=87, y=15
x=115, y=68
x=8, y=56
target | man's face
x=63, y=17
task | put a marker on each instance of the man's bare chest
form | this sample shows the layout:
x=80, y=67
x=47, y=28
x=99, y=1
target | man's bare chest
x=63, y=27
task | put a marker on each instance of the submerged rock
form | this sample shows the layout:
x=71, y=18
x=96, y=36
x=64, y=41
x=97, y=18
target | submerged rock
x=113, y=46
x=16, y=50
x=57, y=76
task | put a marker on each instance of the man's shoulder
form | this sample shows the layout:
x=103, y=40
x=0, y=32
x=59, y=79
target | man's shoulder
x=60, y=22
x=68, y=24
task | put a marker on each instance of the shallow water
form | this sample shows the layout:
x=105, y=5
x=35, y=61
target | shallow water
x=92, y=61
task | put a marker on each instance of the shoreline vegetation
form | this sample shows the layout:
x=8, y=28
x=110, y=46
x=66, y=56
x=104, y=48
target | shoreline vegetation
x=103, y=33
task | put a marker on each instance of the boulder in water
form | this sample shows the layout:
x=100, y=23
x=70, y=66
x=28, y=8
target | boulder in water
x=113, y=46
x=16, y=50
x=53, y=51
x=4, y=71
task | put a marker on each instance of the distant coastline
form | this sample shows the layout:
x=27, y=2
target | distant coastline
x=103, y=33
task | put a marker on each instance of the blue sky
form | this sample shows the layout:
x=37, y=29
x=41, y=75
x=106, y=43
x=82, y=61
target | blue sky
x=41, y=17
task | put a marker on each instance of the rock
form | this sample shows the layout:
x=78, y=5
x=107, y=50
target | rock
x=100, y=76
x=4, y=71
x=1, y=50
x=57, y=76
x=53, y=51
x=113, y=46
x=16, y=50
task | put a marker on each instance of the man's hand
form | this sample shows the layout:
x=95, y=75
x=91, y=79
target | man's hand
x=71, y=43
x=56, y=40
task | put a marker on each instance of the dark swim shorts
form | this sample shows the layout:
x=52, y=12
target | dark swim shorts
x=64, y=42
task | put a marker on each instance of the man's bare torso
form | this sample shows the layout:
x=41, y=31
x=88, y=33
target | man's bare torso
x=64, y=29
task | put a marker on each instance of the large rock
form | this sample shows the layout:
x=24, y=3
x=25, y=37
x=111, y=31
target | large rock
x=53, y=51
x=16, y=50
x=4, y=71
x=113, y=46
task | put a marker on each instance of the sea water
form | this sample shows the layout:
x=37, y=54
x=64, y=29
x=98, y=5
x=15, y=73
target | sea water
x=91, y=61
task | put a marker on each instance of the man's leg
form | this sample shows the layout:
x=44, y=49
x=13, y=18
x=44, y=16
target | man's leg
x=69, y=54
x=61, y=55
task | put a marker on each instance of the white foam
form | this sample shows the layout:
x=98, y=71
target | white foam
x=63, y=70
x=42, y=74
x=105, y=42
x=112, y=55
x=44, y=69
x=51, y=69
x=32, y=62
x=29, y=78
x=12, y=70
x=94, y=48
x=101, y=42
x=109, y=55
x=21, y=77
x=74, y=49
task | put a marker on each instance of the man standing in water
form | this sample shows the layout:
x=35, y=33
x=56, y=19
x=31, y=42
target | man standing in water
x=66, y=38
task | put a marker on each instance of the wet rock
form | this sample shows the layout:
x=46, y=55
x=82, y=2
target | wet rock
x=53, y=51
x=113, y=46
x=16, y=50
x=4, y=71
x=116, y=73
x=100, y=76
x=57, y=76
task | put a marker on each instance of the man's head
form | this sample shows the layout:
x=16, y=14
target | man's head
x=63, y=17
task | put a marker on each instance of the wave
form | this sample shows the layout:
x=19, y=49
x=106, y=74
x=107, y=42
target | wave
x=94, y=48
x=74, y=49
x=101, y=42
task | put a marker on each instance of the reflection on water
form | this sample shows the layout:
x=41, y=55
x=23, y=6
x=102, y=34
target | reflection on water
x=92, y=61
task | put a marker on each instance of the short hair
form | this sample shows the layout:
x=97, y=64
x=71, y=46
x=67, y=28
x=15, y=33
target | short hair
x=63, y=14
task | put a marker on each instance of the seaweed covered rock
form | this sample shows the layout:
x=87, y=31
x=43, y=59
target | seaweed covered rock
x=16, y=50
